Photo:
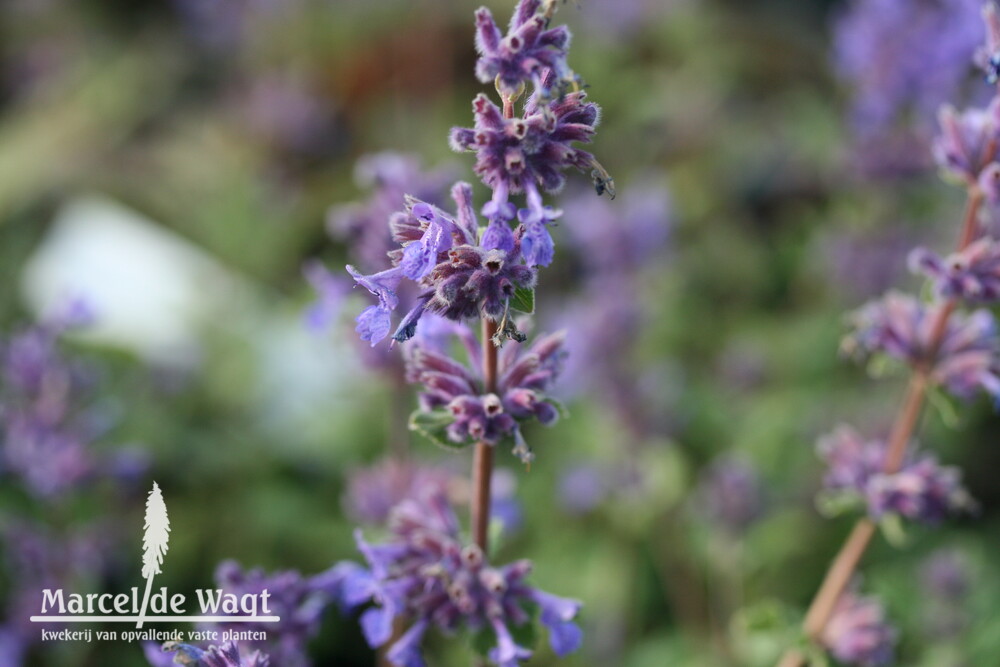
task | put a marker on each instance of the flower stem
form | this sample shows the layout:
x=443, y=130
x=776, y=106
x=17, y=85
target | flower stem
x=482, y=460
x=844, y=565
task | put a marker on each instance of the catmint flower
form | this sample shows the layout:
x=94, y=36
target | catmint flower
x=972, y=274
x=228, y=655
x=730, y=495
x=523, y=55
x=524, y=374
x=460, y=279
x=901, y=327
x=967, y=142
x=857, y=632
x=921, y=490
x=901, y=59
x=428, y=576
x=299, y=602
x=47, y=425
x=529, y=155
x=988, y=56
x=372, y=492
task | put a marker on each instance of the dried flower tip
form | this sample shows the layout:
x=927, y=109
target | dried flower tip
x=602, y=180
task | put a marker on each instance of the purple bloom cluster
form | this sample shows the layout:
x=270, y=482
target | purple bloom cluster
x=922, y=490
x=967, y=144
x=526, y=53
x=523, y=377
x=459, y=278
x=972, y=274
x=297, y=600
x=857, y=632
x=47, y=422
x=946, y=578
x=901, y=327
x=426, y=574
x=228, y=655
x=529, y=154
x=902, y=59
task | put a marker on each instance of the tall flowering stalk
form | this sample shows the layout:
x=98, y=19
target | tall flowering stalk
x=451, y=268
x=948, y=344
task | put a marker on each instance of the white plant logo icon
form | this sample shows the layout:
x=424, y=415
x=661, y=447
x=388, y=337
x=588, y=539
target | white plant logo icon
x=154, y=543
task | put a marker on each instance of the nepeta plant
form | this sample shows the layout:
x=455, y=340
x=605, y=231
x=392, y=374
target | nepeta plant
x=948, y=343
x=463, y=268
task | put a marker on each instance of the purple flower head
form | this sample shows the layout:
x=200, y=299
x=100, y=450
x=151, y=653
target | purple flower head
x=857, y=632
x=921, y=490
x=228, y=655
x=901, y=60
x=967, y=142
x=987, y=56
x=901, y=327
x=529, y=154
x=297, y=600
x=730, y=494
x=458, y=278
x=524, y=375
x=972, y=274
x=427, y=575
x=526, y=52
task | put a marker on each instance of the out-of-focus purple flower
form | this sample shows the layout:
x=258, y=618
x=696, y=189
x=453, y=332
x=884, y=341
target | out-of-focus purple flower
x=902, y=59
x=730, y=494
x=922, y=489
x=299, y=602
x=523, y=55
x=972, y=274
x=987, y=57
x=967, y=142
x=228, y=655
x=902, y=327
x=459, y=279
x=46, y=429
x=288, y=111
x=945, y=574
x=331, y=291
x=391, y=177
x=426, y=575
x=947, y=581
x=582, y=488
x=524, y=375
x=858, y=633
x=862, y=263
x=372, y=492
x=530, y=154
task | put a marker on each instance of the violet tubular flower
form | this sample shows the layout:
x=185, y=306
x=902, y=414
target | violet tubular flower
x=455, y=392
x=901, y=327
x=427, y=575
x=858, y=634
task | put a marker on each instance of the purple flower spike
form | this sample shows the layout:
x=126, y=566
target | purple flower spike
x=972, y=274
x=228, y=655
x=521, y=57
x=428, y=576
x=857, y=632
x=901, y=327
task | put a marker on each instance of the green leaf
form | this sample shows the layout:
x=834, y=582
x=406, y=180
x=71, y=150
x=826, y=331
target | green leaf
x=523, y=300
x=836, y=503
x=893, y=529
x=945, y=407
x=432, y=426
